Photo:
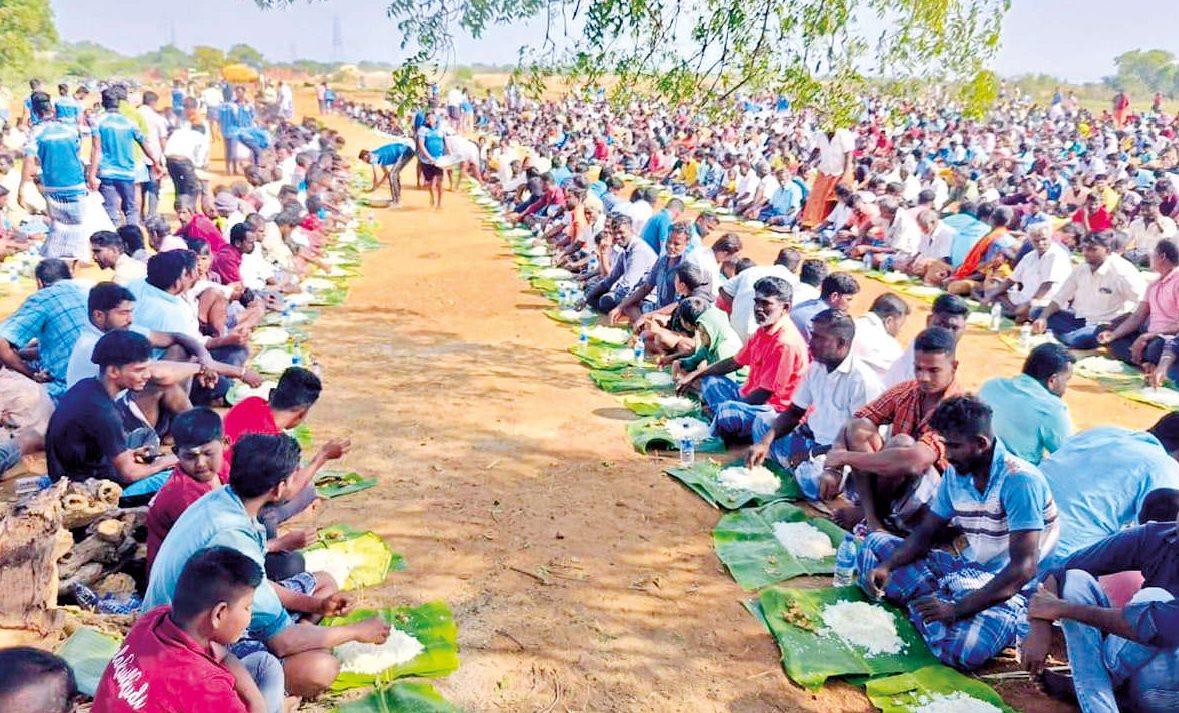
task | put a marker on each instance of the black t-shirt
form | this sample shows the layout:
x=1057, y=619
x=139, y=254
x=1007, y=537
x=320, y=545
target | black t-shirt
x=85, y=434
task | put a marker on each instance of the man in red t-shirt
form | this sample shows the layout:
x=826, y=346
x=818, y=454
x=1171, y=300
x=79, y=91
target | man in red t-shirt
x=174, y=658
x=777, y=357
x=297, y=391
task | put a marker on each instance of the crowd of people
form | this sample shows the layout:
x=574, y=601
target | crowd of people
x=119, y=381
x=982, y=515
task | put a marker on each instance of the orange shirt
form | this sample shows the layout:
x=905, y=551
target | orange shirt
x=777, y=357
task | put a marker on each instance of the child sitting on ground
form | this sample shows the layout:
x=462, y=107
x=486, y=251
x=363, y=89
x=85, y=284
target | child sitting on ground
x=174, y=658
x=199, y=445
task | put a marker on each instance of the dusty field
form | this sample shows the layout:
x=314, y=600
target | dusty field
x=581, y=578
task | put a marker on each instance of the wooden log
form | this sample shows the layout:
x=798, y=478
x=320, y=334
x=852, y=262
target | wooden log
x=31, y=542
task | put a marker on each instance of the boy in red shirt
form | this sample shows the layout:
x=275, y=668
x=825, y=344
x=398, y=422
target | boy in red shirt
x=174, y=658
x=200, y=446
x=291, y=400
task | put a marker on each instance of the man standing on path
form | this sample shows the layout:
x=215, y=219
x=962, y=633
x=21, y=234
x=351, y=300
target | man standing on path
x=431, y=150
x=112, y=161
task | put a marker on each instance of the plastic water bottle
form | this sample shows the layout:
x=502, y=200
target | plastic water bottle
x=1025, y=336
x=845, y=560
x=867, y=262
x=583, y=336
x=996, y=317
x=640, y=351
x=562, y=297
x=687, y=446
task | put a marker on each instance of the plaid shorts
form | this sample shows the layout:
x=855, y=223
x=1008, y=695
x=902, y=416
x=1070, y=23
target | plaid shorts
x=968, y=643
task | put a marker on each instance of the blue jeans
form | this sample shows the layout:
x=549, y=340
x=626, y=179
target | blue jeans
x=118, y=197
x=1102, y=663
x=1073, y=332
x=266, y=670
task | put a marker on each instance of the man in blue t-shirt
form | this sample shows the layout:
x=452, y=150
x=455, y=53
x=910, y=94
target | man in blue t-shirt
x=431, y=147
x=69, y=109
x=55, y=145
x=391, y=157
x=112, y=160
x=968, y=607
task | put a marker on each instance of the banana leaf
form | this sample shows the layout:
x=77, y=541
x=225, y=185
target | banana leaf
x=745, y=542
x=572, y=316
x=330, y=298
x=606, y=336
x=629, y=378
x=532, y=251
x=88, y=652
x=302, y=435
x=378, y=559
x=810, y=658
x=543, y=261
x=655, y=404
x=600, y=356
x=403, y=697
x=648, y=433
x=273, y=361
x=432, y=624
x=701, y=478
x=903, y=693
x=335, y=483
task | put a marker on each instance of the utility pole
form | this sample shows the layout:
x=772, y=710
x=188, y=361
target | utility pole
x=337, y=40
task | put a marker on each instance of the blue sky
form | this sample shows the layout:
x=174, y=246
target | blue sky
x=1075, y=39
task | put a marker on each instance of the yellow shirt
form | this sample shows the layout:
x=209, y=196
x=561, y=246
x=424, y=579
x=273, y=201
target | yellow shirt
x=691, y=170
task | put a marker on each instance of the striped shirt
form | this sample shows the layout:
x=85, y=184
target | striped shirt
x=1016, y=499
x=900, y=407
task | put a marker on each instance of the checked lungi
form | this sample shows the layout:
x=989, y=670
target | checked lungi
x=968, y=643
x=67, y=238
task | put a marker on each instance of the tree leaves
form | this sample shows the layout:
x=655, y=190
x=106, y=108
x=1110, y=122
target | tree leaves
x=707, y=53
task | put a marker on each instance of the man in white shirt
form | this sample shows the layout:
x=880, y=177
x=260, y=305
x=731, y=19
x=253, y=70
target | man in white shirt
x=835, y=156
x=949, y=312
x=1146, y=231
x=1036, y=278
x=876, y=342
x=712, y=259
x=1100, y=290
x=901, y=237
x=836, y=385
x=739, y=292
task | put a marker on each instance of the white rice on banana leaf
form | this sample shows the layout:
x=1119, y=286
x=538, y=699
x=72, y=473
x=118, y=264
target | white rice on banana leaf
x=804, y=540
x=865, y=626
x=688, y=427
x=956, y=702
x=372, y=659
x=760, y=479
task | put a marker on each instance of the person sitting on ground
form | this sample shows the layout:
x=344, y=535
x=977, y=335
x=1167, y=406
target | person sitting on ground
x=1103, y=290
x=631, y=265
x=836, y=385
x=968, y=607
x=195, y=224
x=1122, y=468
x=198, y=441
x=1146, y=230
x=894, y=479
x=876, y=342
x=1030, y=414
x=657, y=229
x=737, y=294
x=290, y=401
x=777, y=357
x=714, y=338
x=1121, y=658
x=987, y=258
x=110, y=254
x=1036, y=279
x=933, y=251
x=392, y=158
x=715, y=260
x=175, y=657
x=836, y=292
x=663, y=335
x=35, y=680
x=948, y=312
x=86, y=436
x=51, y=318
x=1142, y=337
x=901, y=237
x=260, y=475
x=658, y=290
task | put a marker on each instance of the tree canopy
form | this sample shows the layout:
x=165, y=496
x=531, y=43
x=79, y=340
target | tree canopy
x=25, y=26
x=1154, y=70
x=245, y=54
x=707, y=52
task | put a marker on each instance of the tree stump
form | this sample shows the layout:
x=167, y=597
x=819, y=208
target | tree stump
x=31, y=542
